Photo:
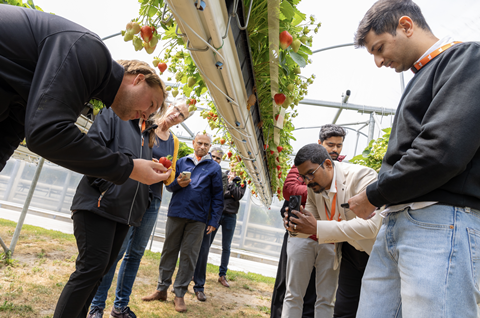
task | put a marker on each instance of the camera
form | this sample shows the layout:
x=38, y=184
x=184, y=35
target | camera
x=294, y=204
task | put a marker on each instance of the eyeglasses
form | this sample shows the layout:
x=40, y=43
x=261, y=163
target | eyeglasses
x=179, y=112
x=309, y=176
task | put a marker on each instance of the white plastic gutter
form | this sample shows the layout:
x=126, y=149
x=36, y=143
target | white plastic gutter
x=226, y=85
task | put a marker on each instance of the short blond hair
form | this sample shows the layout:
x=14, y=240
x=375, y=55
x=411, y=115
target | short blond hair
x=135, y=67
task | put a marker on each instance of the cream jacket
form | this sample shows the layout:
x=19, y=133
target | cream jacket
x=351, y=179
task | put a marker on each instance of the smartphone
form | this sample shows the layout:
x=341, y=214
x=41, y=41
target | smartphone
x=294, y=204
x=186, y=175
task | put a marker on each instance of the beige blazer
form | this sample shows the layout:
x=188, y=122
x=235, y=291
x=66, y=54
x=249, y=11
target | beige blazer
x=351, y=180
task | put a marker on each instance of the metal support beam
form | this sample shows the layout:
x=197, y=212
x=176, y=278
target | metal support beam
x=371, y=127
x=339, y=111
x=33, y=185
x=187, y=129
x=359, y=108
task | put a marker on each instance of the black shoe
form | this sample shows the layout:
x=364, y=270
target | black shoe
x=125, y=313
x=95, y=312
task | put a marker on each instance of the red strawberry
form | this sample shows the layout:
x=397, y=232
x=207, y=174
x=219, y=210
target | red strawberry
x=278, y=191
x=192, y=102
x=279, y=99
x=162, y=67
x=229, y=154
x=165, y=161
x=279, y=148
x=265, y=147
x=222, y=141
x=278, y=168
x=278, y=160
x=249, y=181
x=276, y=116
x=285, y=39
x=272, y=152
x=243, y=185
x=146, y=32
x=239, y=158
x=279, y=175
x=211, y=113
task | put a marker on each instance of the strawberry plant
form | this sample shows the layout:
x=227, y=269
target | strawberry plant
x=373, y=155
x=294, y=52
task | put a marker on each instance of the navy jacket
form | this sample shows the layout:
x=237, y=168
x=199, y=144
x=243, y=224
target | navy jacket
x=49, y=68
x=124, y=203
x=204, y=191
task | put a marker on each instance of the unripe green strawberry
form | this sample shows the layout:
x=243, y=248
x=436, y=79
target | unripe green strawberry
x=137, y=43
x=306, y=30
x=128, y=36
x=148, y=48
x=296, y=45
x=291, y=87
x=168, y=88
x=155, y=62
x=304, y=39
x=297, y=70
x=153, y=42
x=191, y=108
x=191, y=81
x=175, y=93
x=178, y=76
x=135, y=27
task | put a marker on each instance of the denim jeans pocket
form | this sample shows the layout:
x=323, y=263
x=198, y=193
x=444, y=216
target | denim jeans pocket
x=474, y=242
x=426, y=216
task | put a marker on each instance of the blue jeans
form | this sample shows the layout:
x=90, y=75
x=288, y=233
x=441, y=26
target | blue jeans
x=425, y=263
x=228, y=222
x=133, y=247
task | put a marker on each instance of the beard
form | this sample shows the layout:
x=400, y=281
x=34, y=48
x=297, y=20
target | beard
x=333, y=155
x=314, y=184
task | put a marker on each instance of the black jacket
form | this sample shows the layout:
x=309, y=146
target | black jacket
x=124, y=203
x=233, y=195
x=434, y=148
x=49, y=68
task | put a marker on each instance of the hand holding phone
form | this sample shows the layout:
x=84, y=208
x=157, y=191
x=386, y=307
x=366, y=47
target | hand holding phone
x=186, y=175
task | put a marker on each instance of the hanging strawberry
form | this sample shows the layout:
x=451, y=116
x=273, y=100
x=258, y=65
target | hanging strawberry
x=285, y=39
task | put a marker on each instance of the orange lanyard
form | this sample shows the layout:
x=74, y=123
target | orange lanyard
x=417, y=66
x=143, y=128
x=334, y=206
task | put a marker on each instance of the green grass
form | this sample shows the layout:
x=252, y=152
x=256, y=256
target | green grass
x=10, y=307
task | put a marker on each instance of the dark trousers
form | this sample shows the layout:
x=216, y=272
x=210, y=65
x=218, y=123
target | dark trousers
x=184, y=236
x=98, y=240
x=352, y=268
x=228, y=223
x=280, y=288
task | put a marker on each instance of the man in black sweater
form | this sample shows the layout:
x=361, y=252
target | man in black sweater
x=425, y=261
x=49, y=69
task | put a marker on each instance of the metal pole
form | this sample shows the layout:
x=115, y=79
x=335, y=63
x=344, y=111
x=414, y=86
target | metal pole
x=356, y=144
x=64, y=191
x=33, y=185
x=332, y=47
x=5, y=248
x=402, y=83
x=371, y=127
x=246, y=216
x=156, y=220
x=339, y=111
x=111, y=36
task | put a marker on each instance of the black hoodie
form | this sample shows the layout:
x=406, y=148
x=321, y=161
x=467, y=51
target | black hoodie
x=49, y=68
x=434, y=148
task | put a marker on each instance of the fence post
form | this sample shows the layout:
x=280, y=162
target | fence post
x=33, y=185
x=246, y=216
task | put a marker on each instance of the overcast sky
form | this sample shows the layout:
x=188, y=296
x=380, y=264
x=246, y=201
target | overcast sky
x=336, y=70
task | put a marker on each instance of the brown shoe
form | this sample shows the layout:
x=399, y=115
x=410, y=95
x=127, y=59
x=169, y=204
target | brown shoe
x=223, y=280
x=200, y=296
x=157, y=295
x=180, y=304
